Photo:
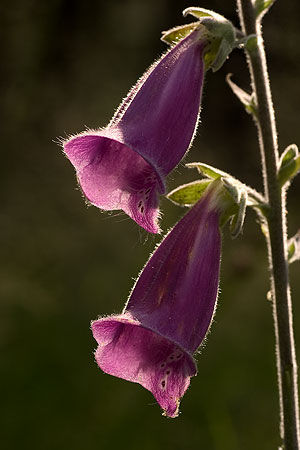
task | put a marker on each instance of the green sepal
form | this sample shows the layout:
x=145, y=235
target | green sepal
x=237, y=221
x=211, y=53
x=200, y=13
x=289, y=164
x=224, y=201
x=221, y=35
x=222, y=54
x=246, y=99
x=262, y=7
x=188, y=194
x=232, y=200
x=233, y=188
x=175, y=34
x=294, y=248
x=239, y=196
x=254, y=198
x=208, y=171
x=231, y=209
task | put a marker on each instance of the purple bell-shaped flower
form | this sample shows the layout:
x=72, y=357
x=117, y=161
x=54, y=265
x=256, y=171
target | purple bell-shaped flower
x=124, y=165
x=169, y=310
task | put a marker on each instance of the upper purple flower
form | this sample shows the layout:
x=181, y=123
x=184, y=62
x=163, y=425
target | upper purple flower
x=169, y=311
x=124, y=165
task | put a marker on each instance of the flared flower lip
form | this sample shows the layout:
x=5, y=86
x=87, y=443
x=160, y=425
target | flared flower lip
x=169, y=405
x=110, y=133
x=128, y=319
x=127, y=190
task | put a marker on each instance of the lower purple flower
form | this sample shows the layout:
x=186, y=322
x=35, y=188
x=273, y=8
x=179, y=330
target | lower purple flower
x=169, y=311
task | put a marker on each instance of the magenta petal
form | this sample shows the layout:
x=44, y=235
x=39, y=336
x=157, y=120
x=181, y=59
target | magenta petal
x=176, y=292
x=128, y=350
x=161, y=118
x=112, y=176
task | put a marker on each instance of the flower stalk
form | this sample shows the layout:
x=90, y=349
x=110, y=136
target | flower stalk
x=276, y=236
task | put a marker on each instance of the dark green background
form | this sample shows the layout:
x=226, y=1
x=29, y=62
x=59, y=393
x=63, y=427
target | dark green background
x=66, y=65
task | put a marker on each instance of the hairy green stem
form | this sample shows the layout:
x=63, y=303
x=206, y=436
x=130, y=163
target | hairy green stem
x=277, y=239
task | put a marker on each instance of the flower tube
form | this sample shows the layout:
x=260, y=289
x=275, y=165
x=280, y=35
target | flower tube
x=170, y=309
x=124, y=165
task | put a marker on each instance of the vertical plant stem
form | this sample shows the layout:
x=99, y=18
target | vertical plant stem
x=277, y=239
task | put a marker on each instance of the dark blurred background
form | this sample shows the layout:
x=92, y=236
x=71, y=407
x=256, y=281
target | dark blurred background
x=66, y=65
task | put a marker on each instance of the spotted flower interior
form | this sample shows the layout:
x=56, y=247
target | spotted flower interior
x=132, y=352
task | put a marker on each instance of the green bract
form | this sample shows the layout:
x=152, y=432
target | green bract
x=175, y=34
x=237, y=221
x=253, y=198
x=221, y=33
x=218, y=31
x=188, y=194
x=232, y=198
x=289, y=164
x=246, y=99
x=294, y=248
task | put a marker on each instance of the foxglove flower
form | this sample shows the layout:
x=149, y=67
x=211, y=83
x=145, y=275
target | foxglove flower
x=169, y=310
x=124, y=165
